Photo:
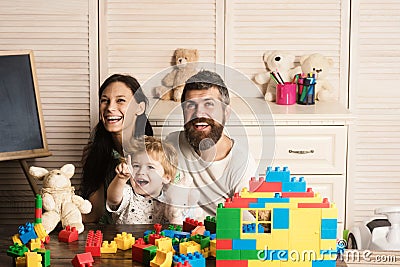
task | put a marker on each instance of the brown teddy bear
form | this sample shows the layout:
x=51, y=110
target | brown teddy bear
x=174, y=82
x=59, y=200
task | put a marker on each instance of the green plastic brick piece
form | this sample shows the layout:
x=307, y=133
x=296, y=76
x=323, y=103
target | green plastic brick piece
x=228, y=255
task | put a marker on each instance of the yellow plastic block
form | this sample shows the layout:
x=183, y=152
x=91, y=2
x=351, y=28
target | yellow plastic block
x=40, y=232
x=162, y=259
x=20, y=262
x=329, y=244
x=305, y=220
x=316, y=199
x=205, y=252
x=15, y=239
x=330, y=213
x=281, y=205
x=296, y=264
x=308, y=246
x=33, y=259
x=246, y=194
x=109, y=247
x=258, y=263
x=189, y=247
x=213, y=248
x=124, y=241
x=34, y=244
x=165, y=244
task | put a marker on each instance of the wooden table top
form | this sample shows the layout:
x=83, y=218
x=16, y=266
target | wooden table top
x=62, y=253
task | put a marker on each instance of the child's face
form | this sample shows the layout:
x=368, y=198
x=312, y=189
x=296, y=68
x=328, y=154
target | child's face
x=148, y=176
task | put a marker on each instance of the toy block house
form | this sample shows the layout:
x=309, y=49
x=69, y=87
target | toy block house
x=277, y=222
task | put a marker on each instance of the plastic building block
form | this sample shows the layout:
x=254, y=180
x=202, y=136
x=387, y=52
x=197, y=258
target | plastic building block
x=325, y=204
x=204, y=241
x=165, y=244
x=38, y=209
x=231, y=263
x=199, y=230
x=20, y=262
x=224, y=244
x=137, y=250
x=185, y=264
x=124, y=241
x=67, y=235
x=237, y=202
x=41, y=233
x=213, y=248
x=294, y=185
x=244, y=244
x=35, y=244
x=189, y=247
x=45, y=253
x=26, y=232
x=148, y=254
x=280, y=218
x=17, y=250
x=108, y=247
x=211, y=224
x=157, y=228
x=33, y=259
x=190, y=224
x=162, y=259
x=83, y=260
x=15, y=239
x=277, y=175
x=93, y=243
x=153, y=238
x=196, y=259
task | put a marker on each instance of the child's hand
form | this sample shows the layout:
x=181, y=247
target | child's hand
x=124, y=170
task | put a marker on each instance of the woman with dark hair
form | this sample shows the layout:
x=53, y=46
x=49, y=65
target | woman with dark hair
x=122, y=109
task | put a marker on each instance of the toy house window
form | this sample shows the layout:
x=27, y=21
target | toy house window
x=256, y=221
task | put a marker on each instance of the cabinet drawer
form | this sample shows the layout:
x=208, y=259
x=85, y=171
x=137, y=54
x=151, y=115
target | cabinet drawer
x=311, y=149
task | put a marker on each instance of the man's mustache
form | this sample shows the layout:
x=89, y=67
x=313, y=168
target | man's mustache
x=209, y=121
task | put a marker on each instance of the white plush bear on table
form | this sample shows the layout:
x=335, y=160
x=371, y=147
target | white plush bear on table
x=59, y=200
x=277, y=61
x=320, y=66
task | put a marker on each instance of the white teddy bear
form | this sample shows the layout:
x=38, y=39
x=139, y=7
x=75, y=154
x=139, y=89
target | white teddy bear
x=59, y=200
x=320, y=66
x=277, y=61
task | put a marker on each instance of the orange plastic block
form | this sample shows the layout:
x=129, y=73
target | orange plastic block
x=199, y=230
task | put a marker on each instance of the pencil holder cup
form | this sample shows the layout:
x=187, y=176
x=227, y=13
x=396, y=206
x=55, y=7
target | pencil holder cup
x=306, y=91
x=286, y=94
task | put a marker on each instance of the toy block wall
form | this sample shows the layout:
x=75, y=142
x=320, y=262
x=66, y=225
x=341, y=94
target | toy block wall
x=277, y=221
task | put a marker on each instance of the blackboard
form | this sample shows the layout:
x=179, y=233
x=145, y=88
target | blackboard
x=22, y=133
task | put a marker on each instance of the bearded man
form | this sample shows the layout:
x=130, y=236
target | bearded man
x=217, y=164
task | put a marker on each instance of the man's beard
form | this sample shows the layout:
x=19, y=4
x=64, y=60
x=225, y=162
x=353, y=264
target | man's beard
x=201, y=140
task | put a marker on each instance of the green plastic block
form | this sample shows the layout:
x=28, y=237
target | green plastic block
x=228, y=234
x=45, y=253
x=204, y=241
x=249, y=254
x=228, y=254
x=148, y=254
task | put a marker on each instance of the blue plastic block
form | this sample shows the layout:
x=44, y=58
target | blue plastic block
x=328, y=234
x=147, y=232
x=324, y=263
x=280, y=218
x=195, y=260
x=181, y=235
x=295, y=185
x=26, y=232
x=277, y=175
x=260, y=228
x=328, y=224
x=168, y=233
x=244, y=244
x=213, y=236
x=249, y=228
x=274, y=200
x=258, y=205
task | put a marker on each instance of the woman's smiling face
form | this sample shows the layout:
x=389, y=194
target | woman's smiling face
x=114, y=102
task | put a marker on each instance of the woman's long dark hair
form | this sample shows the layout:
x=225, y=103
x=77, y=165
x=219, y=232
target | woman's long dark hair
x=98, y=162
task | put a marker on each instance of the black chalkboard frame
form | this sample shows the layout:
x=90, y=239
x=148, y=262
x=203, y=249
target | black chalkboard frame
x=43, y=150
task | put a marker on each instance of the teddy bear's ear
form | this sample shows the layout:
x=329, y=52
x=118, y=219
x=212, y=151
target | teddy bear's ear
x=68, y=170
x=266, y=55
x=303, y=58
x=37, y=172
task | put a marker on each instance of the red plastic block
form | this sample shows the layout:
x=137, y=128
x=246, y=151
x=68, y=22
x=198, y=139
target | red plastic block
x=185, y=264
x=68, y=234
x=224, y=244
x=153, y=237
x=157, y=228
x=93, y=243
x=262, y=186
x=137, y=250
x=325, y=204
x=190, y=224
x=83, y=260
x=231, y=263
x=309, y=193
x=238, y=202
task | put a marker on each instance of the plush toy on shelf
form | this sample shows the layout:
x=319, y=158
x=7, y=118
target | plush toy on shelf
x=277, y=61
x=59, y=200
x=174, y=82
x=320, y=66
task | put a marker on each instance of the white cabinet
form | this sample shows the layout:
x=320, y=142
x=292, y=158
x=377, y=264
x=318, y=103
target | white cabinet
x=310, y=140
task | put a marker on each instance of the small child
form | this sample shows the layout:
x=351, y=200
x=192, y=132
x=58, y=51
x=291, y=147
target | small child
x=150, y=165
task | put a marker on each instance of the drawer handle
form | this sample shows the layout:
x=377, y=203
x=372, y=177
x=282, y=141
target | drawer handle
x=301, y=151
